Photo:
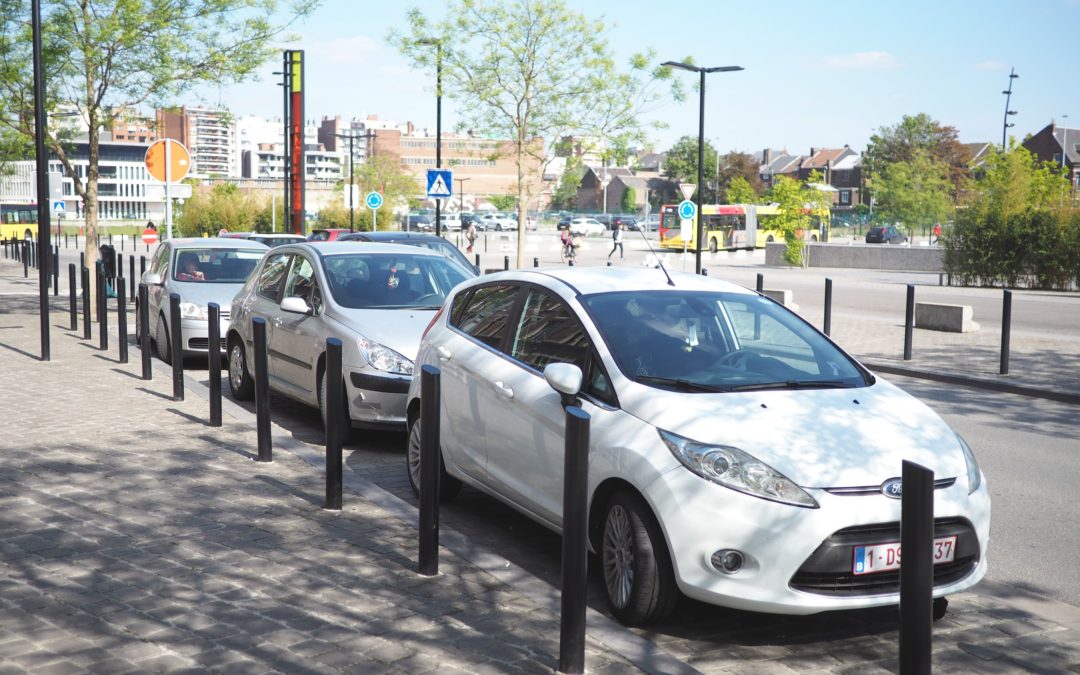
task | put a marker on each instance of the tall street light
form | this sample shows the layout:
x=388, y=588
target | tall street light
x=700, y=235
x=438, y=119
x=350, y=138
x=1008, y=95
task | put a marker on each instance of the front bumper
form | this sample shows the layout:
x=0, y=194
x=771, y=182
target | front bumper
x=195, y=334
x=376, y=399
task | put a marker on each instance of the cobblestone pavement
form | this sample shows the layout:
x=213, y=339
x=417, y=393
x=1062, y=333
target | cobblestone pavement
x=136, y=538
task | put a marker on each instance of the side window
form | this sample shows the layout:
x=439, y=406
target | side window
x=160, y=260
x=486, y=313
x=272, y=276
x=303, y=284
x=547, y=333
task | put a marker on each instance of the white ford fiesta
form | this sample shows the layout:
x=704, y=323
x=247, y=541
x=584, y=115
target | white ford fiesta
x=737, y=455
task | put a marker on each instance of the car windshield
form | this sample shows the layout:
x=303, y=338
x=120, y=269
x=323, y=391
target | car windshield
x=215, y=265
x=707, y=341
x=391, y=280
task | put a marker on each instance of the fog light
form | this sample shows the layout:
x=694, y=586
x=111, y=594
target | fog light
x=728, y=561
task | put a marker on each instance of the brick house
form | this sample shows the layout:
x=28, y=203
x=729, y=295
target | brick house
x=1060, y=145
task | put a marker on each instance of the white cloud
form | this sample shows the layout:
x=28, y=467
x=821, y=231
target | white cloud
x=990, y=66
x=347, y=51
x=861, y=61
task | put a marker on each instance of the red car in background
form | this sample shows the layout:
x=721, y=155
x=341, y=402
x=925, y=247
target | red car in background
x=328, y=234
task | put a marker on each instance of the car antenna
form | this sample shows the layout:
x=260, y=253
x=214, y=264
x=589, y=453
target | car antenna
x=659, y=263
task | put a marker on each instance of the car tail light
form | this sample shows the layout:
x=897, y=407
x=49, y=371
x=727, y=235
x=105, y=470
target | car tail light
x=432, y=322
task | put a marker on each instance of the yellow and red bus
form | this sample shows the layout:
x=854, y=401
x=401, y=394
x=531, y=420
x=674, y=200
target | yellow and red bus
x=731, y=227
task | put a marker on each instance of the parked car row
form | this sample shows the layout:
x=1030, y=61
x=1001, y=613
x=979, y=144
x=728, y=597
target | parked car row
x=737, y=455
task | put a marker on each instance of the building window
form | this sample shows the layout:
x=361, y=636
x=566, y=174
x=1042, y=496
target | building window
x=845, y=198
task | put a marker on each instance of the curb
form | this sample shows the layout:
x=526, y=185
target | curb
x=974, y=382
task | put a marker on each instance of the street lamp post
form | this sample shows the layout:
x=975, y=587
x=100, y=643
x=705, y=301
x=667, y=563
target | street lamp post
x=438, y=120
x=350, y=138
x=461, y=194
x=1008, y=95
x=700, y=233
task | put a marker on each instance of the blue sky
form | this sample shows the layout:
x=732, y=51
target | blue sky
x=817, y=74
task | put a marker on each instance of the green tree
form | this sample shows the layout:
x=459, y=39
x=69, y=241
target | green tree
x=106, y=56
x=628, y=203
x=798, y=204
x=681, y=165
x=914, y=192
x=735, y=165
x=385, y=175
x=739, y=192
x=565, y=195
x=916, y=135
x=503, y=202
x=223, y=207
x=533, y=71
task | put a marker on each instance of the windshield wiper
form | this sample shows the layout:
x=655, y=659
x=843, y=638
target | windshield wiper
x=794, y=384
x=679, y=384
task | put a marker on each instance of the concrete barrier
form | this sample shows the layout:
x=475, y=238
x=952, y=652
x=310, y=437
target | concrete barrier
x=782, y=295
x=943, y=317
x=864, y=256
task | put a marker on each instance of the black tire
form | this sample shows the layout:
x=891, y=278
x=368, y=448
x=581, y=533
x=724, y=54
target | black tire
x=345, y=421
x=241, y=384
x=449, y=487
x=713, y=246
x=163, y=342
x=638, y=576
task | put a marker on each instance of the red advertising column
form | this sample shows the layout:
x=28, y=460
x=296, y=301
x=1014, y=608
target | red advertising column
x=296, y=140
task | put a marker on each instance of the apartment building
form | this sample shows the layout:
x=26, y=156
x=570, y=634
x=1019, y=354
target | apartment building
x=209, y=135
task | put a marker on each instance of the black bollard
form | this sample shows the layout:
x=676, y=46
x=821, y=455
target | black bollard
x=609, y=263
x=82, y=259
x=103, y=315
x=86, y=303
x=570, y=262
x=142, y=265
x=131, y=268
x=262, y=390
x=828, y=306
x=506, y=262
x=1006, y=329
x=334, y=417
x=121, y=321
x=144, y=331
x=176, y=349
x=430, y=469
x=56, y=271
x=575, y=542
x=760, y=283
x=704, y=272
x=909, y=321
x=25, y=261
x=71, y=297
x=536, y=262
x=917, y=571
x=477, y=260
x=213, y=318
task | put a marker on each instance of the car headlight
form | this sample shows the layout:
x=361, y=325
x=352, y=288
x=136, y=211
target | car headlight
x=974, y=476
x=735, y=469
x=189, y=310
x=384, y=358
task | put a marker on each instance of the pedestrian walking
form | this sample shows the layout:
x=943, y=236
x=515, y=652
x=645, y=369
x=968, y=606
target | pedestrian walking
x=617, y=241
x=470, y=236
x=937, y=233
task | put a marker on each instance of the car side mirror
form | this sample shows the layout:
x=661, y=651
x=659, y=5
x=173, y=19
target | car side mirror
x=152, y=279
x=564, y=378
x=295, y=305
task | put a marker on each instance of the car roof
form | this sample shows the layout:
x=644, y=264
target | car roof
x=216, y=242
x=589, y=280
x=329, y=248
x=389, y=235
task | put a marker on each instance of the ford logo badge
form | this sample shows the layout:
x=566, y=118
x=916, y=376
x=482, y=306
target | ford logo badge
x=893, y=488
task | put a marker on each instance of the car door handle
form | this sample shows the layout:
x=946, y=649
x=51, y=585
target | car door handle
x=444, y=353
x=503, y=389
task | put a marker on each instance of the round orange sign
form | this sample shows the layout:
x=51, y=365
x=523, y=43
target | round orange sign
x=168, y=160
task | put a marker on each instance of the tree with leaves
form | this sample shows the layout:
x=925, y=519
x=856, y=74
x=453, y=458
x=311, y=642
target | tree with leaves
x=681, y=166
x=914, y=192
x=533, y=71
x=913, y=136
x=799, y=204
x=108, y=56
x=385, y=175
x=739, y=192
x=740, y=165
x=565, y=195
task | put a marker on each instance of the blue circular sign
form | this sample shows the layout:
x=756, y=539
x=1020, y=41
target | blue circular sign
x=373, y=200
x=687, y=209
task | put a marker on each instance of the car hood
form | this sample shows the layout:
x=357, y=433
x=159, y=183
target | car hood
x=398, y=329
x=816, y=437
x=203, y=293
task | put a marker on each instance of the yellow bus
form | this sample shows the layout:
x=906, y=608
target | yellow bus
x=15, y=219
x=731, y=227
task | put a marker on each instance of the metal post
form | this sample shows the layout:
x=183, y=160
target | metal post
x=131, y=273
x=176, y=350
x=699, y=231
x=86, y=303
x=71, y=297
x=25, y=260
x=262, y=390
x=917, y=571
x=121, y=321
x=430, y=470
x=760, y=283
x=42, y=163
x=909, y=321
x=536, y=262
x=575, y=542
x=704, y=272
x=144, y=331
x=506, y=262
x=103, y=315
x=56, y=271
x=213, y=311
x=478, y=260
x=142, y=264
x=828, y=306
x=334, y=416
x=1006, y=329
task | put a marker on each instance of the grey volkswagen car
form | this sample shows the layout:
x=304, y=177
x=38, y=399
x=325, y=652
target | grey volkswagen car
x=377, y=299
x=201, y=271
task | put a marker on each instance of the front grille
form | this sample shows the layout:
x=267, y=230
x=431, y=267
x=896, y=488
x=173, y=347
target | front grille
x=202, y=344
x=828, y=570
x=859, y=491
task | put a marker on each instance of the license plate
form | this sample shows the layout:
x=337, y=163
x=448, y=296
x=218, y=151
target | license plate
x=884, y=557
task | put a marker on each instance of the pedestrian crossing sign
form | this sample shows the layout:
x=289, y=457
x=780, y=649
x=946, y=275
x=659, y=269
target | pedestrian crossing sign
x=58, y=206
x=439, y=182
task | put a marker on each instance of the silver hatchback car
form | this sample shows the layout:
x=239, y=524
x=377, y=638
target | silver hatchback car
x=377, y=299
x=201, y=270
